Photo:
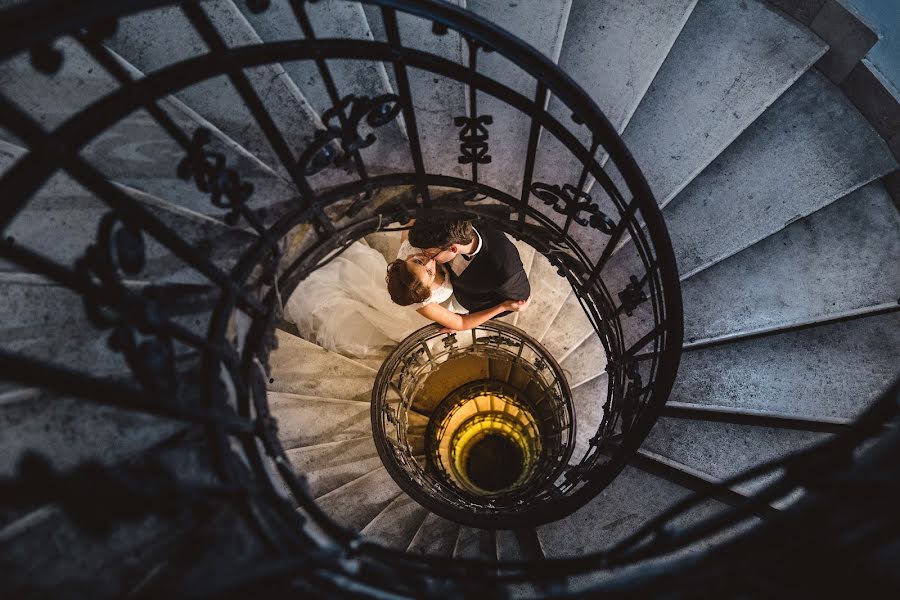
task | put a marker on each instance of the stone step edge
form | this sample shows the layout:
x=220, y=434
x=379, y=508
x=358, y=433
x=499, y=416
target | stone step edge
x=195, y=116
x=296, y=339
x=798, y=421
x=849, y=315
x=311, y=399
x=399, y=497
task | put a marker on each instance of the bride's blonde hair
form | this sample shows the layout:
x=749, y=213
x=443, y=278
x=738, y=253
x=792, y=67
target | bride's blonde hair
x=403, y=285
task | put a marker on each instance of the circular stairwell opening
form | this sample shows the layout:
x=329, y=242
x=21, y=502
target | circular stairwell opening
x=477, y=426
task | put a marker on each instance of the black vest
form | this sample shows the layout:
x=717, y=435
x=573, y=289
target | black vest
x=494, y=274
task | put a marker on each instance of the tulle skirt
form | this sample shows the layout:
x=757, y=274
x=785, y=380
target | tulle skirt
x=345, y=306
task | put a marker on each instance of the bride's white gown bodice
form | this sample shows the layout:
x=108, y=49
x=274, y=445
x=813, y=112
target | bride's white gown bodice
x=344, y=306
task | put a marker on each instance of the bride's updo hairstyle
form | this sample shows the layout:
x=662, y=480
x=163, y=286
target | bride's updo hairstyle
x=403, y=285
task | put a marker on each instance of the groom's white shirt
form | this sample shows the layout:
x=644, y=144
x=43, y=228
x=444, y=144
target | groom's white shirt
x=461, y=262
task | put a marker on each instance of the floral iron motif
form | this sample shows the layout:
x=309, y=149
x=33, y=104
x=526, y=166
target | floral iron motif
x=473, y=139
x=632, y=296
x=119, y=250
x=377, y=112
x=212, y=176
x=571, y=202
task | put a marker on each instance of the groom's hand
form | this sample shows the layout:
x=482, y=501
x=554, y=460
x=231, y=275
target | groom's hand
x=518, y=305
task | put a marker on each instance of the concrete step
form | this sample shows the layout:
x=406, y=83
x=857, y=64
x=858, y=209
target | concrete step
x=386, y=242
x=69, y=430
x=45, y=551
x=61, y=220
x=837, y=261
x=343, y=20
x=586, y=362
x=548, y=292
x=568, y=330
x=722, y=450
x=436, y=536
x=631, y=500
x=807, y=150
x=543, y=26
x=475, y=543
x=588, y=399
x=519, y=544
x=217, y=99
x=328, y=466
x=397, y=524
x=135, y=151
x=436, y=100
x=47, y=322
x=308, y=420
x=526, y=253
x=299, y=367
x=614, y=50
x=357, y=503
x=830, y=371
x=731, y=61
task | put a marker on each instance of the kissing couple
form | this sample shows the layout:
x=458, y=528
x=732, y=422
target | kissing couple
x=451, y=272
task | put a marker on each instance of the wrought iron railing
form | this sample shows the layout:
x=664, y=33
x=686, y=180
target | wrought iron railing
x=536, y=382
x=215, y=375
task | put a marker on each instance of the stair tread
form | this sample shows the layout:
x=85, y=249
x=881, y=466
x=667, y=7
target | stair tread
x=436, y=536
x=835, y=261
x=801, y=373
x=298, y=367
x=730, y=62
x=343, y=20
x=355, y=504
x=633, y=498
x=217, y=99
x=809, y=149
x=548, y=292
x=568, y=330
x=331, y=465
x=586, y=362
x=305, y=421
x=722, y=450
x=475, y=543
x=588, y=400
x=397, y=524
x=518, y=545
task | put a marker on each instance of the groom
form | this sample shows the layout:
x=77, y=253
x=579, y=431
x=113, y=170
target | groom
x=485, y=267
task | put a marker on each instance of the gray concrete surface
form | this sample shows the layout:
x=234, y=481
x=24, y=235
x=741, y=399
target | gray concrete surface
x=588, y=399
x=307, y=420
x=809, y=149
x=548, y=292
x=299, y=367
x=345, y=20
x=217, y=99
x=397, y=524
x=357, y=503
x=830, y=371
x=570, y=327
x=839, y=260
x=732, y=60
x=436, y=536
x=632, y=499
x=328, y=466
x=587, y=361
x=723, y=450
x=475, y=543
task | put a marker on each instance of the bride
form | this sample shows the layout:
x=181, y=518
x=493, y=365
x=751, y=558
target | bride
x=350, y=307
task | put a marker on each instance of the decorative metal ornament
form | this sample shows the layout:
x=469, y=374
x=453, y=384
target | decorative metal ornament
x=473, y=139
x=212, y=176
x=572, y=202
x=376, y=112
x=632, y=296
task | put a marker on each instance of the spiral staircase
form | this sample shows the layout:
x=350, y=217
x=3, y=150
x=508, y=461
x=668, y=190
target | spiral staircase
x=166, y=448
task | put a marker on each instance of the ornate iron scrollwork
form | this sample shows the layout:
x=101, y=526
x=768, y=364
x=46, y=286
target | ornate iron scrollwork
x=632, y=296
x=212, y=176
x=136, y=330
x=571, y=202
x=473, y=139
x=377, y=112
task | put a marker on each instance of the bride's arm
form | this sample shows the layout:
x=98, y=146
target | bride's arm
x=404, y=235
x=451, y=320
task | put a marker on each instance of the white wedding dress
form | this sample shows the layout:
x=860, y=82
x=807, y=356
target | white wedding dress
x=344, y=306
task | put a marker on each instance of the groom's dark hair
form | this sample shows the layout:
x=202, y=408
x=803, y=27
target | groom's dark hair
x=440, y=233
